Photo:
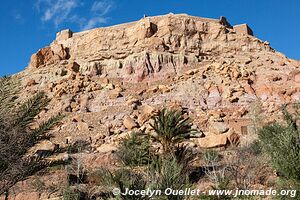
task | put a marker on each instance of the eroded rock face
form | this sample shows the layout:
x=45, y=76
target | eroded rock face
x=147, y=49
x=204, y=64
x=117, y=78
x=48, y=55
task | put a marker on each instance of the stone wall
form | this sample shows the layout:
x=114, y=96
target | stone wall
x=243, y=29
x=64, y=34
x=152, y=47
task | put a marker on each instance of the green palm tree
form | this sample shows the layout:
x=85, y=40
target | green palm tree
x=172, y=128
x=16, y=136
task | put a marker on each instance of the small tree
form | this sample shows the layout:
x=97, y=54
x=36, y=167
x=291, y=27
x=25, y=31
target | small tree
x=171, y=128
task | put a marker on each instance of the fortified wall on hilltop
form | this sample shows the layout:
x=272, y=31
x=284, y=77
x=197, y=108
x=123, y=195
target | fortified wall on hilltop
x=137, y=50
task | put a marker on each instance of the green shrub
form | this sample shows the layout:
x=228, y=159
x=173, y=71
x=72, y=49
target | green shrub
x=161, y=172
x=185, y=157
x=255, y=148
x=135, y=150
x=211, y=156
x=165, y=172
x=123, y=179
x=282, y=143
x=169, y=170
x=69, y=193
x=285, y=184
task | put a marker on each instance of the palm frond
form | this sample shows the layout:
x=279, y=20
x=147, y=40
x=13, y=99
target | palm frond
x=15, y=135
x=8, y=93
x=38, y=133
x=171, y=127
x=47, y=125
x=30, y=109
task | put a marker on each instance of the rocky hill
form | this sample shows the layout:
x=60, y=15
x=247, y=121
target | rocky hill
x=111, y=80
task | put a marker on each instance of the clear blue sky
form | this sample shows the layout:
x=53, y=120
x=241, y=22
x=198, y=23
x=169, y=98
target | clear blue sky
x=27, y=25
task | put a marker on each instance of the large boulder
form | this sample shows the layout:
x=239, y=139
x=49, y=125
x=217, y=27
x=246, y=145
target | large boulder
x=146, y=113
x=221, y=140
x=113, y=94
x=48, y=55
x=43, y=56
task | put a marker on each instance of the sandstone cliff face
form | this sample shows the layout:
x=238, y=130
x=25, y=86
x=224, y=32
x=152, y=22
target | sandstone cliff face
x=148, y=48
x=215, y=70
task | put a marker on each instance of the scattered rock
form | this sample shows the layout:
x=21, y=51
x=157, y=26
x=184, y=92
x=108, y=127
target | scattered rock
x=104, y=82
x=218, y=127
x=76, y=118
x=73, y=67
x=110, y=86
x=113, y=94
x=129, y=123
x=31, y=82
x=106, y=148
x=82, y=126
x=147, y=110
x=132, y=101
x=43, y=149
x=164, y=88
x=192, y=71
